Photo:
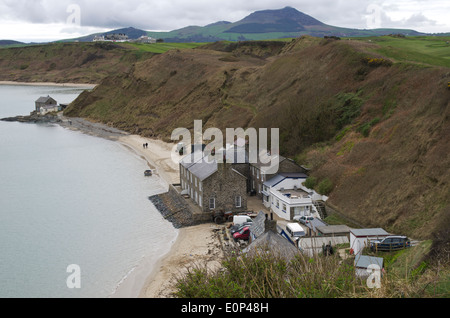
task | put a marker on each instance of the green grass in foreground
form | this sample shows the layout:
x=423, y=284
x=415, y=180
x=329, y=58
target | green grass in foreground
x=432, y=50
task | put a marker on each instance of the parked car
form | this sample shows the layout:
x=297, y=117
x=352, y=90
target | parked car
x=238, y=227
x=305, y=219
x=243, y=234
x=390, y=243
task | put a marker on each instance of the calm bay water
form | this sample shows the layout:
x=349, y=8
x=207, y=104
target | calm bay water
x=68, y=198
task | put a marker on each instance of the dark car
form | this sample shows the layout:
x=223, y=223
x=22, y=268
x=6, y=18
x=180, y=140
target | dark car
x=390, y=243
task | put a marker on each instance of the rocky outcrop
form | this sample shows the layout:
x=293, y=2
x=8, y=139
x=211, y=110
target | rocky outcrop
x=34, y=118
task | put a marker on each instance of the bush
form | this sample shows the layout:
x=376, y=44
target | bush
x=376, y=62
x=325, y=187
x=365, y=129
x=268, y=275
x=310, y=183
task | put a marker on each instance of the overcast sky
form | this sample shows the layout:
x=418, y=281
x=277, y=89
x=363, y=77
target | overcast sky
x=47, y=20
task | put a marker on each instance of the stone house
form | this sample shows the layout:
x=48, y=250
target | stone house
x=45, y=102
x=257, y=176
x=214, y=186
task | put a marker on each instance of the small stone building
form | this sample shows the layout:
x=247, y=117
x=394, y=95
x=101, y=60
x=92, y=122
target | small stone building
x=45, y=102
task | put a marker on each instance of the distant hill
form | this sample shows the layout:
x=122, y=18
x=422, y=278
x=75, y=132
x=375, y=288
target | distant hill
x=268, y=24
x=131, y=32
x=260, y=25
x=10, y=42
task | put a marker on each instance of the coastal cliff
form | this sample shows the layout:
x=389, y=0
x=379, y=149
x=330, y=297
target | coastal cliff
x=374, y=125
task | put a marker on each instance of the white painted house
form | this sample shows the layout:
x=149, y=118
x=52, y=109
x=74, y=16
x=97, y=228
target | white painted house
x=285, y=195
x=359, y=238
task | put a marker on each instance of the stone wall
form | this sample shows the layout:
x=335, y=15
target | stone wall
x=174, y=208
x=225, y=185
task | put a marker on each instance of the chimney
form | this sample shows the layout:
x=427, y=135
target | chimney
x=270, y=225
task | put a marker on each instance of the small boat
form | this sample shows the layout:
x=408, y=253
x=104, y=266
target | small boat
x=148, y=173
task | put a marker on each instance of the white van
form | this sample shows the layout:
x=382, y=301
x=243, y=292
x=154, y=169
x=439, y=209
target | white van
x=241, y=219
x=295, y=231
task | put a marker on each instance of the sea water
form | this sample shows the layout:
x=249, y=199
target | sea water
x=67, y=198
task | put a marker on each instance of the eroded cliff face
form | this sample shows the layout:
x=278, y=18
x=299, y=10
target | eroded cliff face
x=379, y=130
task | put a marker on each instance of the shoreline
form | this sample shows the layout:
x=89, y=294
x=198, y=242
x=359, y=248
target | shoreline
x=78, y=85
x=191, y=245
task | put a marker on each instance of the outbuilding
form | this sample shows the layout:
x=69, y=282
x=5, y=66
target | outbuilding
x=365, y=265
x=45, y=102
x=333, y=230
x=359, y=238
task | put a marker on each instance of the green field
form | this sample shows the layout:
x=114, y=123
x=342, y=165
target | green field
x=162, y=47
x=432, y=50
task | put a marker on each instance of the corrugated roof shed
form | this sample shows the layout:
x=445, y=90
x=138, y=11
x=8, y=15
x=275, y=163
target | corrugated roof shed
x=331, y=229
x=369, y=232
x=365, y=261
x=317, y=242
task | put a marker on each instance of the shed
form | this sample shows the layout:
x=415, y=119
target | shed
x=359, y=238
x=313, y=225
x=362, y=263
x=334, y=230
x=313, y=245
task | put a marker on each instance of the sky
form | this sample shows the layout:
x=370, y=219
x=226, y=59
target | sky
x=49, y=20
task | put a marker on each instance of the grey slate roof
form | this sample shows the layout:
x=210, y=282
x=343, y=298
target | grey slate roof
x=44, y=99
x=282, y=176
x=201, y=168
x=259, y=164
x=274, y=181
x=331, y=229
x=274, y=242
x=369, y=232
x=364, y=261
x=258, y=225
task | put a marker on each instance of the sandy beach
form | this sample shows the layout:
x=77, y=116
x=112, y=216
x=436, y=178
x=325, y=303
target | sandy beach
x=88, y=86
x=194, y=246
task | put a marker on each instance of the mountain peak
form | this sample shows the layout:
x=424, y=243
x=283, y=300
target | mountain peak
x=277, y=15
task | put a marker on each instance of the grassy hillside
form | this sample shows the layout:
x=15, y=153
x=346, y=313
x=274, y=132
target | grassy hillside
x=375, y=126
x=76, y=62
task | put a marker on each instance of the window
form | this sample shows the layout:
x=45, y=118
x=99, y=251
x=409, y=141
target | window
x=278, y=204
x=238, y=201
x=200, y=203
x=212, y=203
x=195, y=181
x=200, y=186
x=284, y=207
